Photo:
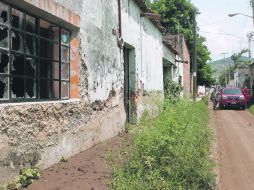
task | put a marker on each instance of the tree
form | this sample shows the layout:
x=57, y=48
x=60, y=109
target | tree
x=236, y=57
x=178, y=16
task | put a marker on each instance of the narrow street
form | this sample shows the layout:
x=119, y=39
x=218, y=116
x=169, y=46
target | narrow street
x=234, y=131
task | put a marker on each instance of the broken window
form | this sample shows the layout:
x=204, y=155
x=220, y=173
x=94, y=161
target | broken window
x=31, y=45
x=4, y=62
x=17, y=19
x=4, y=87
x=4, y=37
x=36, y=63
x=4, y=13
x=31, y=24
x=17, y=41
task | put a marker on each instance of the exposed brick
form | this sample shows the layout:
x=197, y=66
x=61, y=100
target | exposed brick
x=75, y=79
x=74, y=43
x=74, y=54
x=74, y=67
x=74, y=92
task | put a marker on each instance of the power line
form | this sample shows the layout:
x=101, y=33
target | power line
x=225, y=34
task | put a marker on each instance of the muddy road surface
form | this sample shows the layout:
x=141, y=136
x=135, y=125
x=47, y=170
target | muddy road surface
x=88, y=170
x=234, y=133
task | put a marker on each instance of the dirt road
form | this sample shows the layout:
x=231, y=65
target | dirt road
x=85, y=171
x=234, y=131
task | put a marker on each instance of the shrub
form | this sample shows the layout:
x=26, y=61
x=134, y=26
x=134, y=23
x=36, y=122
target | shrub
x=169, y=152
x=172, y=91
x=251, y=109
x=205, y=100
x=26, y=177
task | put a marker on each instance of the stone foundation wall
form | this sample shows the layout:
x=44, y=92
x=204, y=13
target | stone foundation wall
x=39, y=134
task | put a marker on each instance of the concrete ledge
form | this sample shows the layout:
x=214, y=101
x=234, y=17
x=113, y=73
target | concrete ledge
x=39, y=102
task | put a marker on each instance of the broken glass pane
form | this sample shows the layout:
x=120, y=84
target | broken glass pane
x=31, y=24
x=17, y=87
x=18, y=19
x=45, y=89
x=65, y=37
x=4, y=62
x=30, y=66
x=4, y=13
x=17, y=65
x=65, y=54
x=55, y=70
x=30, y=88
x=64, y=90
x=46, y=29
x=4, y=37
x=45, y=48
x=65, y=71
x=31, y=45
x=45, y=69
x=17, y=40
x=4, y=88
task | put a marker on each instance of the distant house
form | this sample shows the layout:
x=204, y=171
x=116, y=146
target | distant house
x=241, y=74
x=181, y=69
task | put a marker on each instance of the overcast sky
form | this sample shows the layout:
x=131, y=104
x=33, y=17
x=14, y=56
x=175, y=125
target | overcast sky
x=223, y=33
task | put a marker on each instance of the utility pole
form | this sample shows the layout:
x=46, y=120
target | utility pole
x=224, y=61
x=249, y=36
x=194, y=59
x=252, y=5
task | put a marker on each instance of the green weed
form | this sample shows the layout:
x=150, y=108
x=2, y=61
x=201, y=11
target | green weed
x=26, y=177
x=205, y=100
x=251, y=109
x=63, y=159
x=170, y=151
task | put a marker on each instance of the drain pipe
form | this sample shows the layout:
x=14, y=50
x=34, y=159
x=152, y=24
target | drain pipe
x=119, y=19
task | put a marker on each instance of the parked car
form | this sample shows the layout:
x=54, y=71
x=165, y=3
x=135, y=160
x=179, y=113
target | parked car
x=232, y=97
x=247, y=94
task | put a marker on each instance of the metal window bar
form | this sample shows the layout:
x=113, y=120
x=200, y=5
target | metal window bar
x=37, y=57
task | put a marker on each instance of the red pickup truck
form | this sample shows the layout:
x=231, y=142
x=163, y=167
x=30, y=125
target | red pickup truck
x=232, y=97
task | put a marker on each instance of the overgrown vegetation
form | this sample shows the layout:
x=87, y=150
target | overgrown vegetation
x=26, y=177
x=205, y=100
x=168, y=152
x=172, y=91
x=251, y=109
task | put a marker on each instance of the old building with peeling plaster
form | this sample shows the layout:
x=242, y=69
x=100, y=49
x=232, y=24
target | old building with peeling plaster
x=72, y=74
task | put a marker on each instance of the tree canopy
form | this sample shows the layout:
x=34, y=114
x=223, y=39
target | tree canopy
x=178, y=17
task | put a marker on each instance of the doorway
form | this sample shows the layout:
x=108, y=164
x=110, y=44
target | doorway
x=130, y=84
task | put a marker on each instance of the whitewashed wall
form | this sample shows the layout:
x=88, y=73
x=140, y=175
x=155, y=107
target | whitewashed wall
x=145, y=37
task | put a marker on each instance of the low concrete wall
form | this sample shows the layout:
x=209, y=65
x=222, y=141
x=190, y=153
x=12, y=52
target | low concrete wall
x=150, y=102
x=39, y=134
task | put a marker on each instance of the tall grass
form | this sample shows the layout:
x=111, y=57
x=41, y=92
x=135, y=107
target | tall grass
x=251, y=109
x=168, y=152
